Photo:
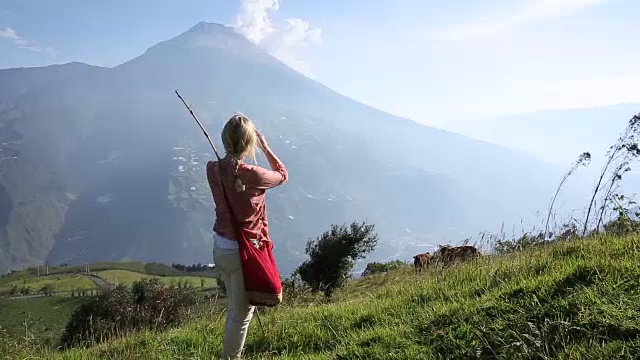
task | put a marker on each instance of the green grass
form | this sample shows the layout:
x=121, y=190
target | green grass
x=571, y=300
x=18, y=275
x=124, y=277
x=60, y=283
x=46, y=317
x=191, y=280
x=129, y=277
x=76, y=269
x=137, y=266
x=131, y=266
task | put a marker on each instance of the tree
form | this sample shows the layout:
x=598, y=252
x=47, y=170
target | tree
x=583, y=160
x=47, y=289
x=333, y=255
x=377, y=267
x=618, y=156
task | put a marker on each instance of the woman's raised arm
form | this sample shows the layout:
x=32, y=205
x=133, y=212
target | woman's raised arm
x=262, y=178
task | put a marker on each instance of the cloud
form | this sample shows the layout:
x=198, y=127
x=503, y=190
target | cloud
x=8, y=33
x=21, y=43
x=253, y=20
x=288, y=44
x=285, y=42
x=37, y=49
x=533, y=11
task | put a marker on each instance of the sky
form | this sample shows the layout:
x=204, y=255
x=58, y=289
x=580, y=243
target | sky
x=436, y=62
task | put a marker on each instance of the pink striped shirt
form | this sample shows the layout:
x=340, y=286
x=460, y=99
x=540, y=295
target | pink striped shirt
x=249, y=205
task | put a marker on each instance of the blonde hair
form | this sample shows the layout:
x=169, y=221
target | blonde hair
x=239, y=139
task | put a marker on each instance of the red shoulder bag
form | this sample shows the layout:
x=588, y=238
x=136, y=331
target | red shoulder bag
x=261, y=276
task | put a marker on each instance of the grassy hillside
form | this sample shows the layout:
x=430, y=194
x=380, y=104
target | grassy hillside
x=42, y=315
x=570, y=300
x=59, y=283
x=129, y=277
x=62, y=272
x=46, y=317
x=135, y=266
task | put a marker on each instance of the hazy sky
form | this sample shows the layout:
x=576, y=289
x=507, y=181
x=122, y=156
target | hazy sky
x=432, y=61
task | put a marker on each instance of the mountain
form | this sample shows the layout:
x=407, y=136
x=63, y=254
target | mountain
x=106, y=163
x=560, y=136
x=566, y=133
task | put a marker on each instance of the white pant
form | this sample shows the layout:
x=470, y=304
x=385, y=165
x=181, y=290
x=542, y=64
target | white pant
x=239, y=312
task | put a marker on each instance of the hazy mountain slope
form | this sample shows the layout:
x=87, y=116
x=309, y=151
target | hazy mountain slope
x=34, y=143
x=559, y=136
x=110, y=165
x=264, y=82
x=566, y=133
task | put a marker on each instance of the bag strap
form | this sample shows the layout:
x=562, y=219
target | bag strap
x=234, y=220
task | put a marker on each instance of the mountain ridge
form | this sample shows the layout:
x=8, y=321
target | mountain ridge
x=202, y=27
x=568, y=131
x=228, y=30
x=121, y=175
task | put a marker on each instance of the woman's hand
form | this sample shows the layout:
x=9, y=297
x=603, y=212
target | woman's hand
x=262, y=142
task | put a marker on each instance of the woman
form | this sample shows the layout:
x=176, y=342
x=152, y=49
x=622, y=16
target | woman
x=245, y=186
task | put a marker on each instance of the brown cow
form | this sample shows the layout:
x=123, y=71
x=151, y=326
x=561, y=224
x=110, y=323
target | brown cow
x=421, y=261
x=442, y=254
x=447, y=254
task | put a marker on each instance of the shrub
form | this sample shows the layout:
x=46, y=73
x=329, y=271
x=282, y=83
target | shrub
x=505, y=246
x=623, y=225
x=47, y=289
x=333, y=255
x=567, y=231
x=148, y=304
x=191, y=268
x=377, y=267
x=160, y=269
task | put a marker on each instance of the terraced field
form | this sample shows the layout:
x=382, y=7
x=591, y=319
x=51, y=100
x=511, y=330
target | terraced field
x=128, y=277
x=60, y=283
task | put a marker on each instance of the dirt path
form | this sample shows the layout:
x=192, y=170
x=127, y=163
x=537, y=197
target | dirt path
x=101, y=283
x=16, y=297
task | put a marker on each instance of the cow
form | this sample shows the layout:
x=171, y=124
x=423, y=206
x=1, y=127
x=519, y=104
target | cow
x=447, y=254
x=421, y=261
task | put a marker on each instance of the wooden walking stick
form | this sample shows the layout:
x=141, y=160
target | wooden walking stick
x=206, y=134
